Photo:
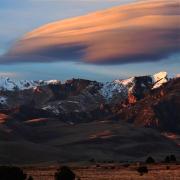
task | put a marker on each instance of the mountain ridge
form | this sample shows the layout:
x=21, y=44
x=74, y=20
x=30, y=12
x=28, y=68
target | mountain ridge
x=9, y=84
x=117, y=90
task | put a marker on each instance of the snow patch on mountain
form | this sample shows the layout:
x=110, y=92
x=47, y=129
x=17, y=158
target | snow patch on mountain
x=7, y=84
x=52, y=108
x=159, y=79
x=118, y=87
x=11, y=85
x=111, y=89
x=129, y=83
x=3, y=100
x=53, y=82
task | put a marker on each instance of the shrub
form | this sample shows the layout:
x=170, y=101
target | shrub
x=110, y=161
x=92, y=160
x=30, y=178
x=150, y=160
x=98, y=165
x=126, y=165
x=11, y=173
x=167, y=159
x=112, y=167
x=142, y=170
x=172, y=158
x=65, y=173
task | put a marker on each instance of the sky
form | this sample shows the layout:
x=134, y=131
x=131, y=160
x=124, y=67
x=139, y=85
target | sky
x=18, y=17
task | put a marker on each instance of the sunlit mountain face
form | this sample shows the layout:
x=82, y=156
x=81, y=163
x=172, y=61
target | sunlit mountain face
x=132, y=39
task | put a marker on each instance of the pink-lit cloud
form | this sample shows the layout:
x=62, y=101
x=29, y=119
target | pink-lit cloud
x=143, y=31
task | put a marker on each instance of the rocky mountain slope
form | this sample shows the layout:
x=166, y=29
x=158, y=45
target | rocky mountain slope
x=77, y=97
x=83, y=100
x=159, y=109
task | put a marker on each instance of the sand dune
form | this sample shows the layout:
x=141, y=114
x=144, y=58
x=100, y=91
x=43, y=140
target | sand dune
x=57, y=141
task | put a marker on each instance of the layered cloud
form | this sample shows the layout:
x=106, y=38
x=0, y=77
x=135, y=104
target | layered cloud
x=142, y=31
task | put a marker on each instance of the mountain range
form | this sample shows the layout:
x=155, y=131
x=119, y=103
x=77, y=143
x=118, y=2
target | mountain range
x=50, y=121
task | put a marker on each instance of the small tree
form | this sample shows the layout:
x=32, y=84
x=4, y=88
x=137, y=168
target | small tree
x=65, y=173
x=167, y=159
x=11, y=173
x=172, y=158
x=30, y=178
x=92, y=160
x=142, y=170
x=150, y=160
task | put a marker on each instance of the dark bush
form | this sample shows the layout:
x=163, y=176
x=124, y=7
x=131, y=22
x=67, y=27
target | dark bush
x=167, y=159
x=92, y=160
x=30, y=178
x=142, y=170
x=126, y=165
x=11, y=173
x=110, y=161
x=172, y=158
x=112, y=167
x=98, y=165
x=150, y=160
x=65, y=173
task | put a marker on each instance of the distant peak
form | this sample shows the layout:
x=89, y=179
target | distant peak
x=160, y=75
x=10, y=84
x=160, y=78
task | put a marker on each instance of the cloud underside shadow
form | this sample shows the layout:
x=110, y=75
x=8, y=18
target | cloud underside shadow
x=140, y=32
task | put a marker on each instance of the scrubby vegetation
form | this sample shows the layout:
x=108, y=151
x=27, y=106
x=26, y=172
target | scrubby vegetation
x=170, y=159
x=30, y=178
x=12, y=173
x=119, y=170
x=150, y=160
x=142, y=170
x=65, y=173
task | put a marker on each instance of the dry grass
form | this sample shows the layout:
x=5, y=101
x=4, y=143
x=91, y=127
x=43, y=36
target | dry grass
x=111, y=172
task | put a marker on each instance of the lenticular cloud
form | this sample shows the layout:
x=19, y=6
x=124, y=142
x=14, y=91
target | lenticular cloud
x=142, y=31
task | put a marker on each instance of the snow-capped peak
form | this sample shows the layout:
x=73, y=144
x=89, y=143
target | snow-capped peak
x=159, y=79
x=111, y=89
x=8, y=84
x=123, y=87
x=11, y=85
x=117, y=87
x=54, y=82
x=129, y=83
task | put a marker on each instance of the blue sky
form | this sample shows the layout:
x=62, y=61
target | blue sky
x=18, y=17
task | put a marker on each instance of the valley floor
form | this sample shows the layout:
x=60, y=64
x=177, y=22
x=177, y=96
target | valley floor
x=111, y=172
